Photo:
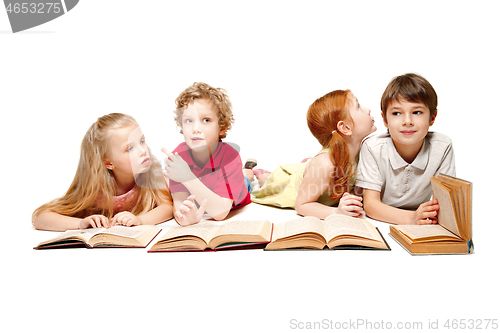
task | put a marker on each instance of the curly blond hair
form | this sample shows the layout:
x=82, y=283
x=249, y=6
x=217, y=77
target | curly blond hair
x=218, y=97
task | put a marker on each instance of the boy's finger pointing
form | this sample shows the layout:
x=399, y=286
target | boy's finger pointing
x=167, y=152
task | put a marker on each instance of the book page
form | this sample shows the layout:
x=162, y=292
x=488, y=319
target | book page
x=299, y=226
x=464, y=203
x=242, y=232
x=83, y=235
x=72, y=235
x=457, y=204
x=129, y=232
x=424, y=232
x=336, y=225
x=446, y=213
x=203, y=230
x=240, y=228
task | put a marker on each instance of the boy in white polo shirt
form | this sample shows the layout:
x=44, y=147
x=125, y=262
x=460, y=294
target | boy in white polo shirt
x=395, y=168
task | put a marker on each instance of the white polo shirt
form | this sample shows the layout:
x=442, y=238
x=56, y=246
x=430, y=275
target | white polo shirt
x=400, y=184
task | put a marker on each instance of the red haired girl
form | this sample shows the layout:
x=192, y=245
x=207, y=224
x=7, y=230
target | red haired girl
x=322, y=186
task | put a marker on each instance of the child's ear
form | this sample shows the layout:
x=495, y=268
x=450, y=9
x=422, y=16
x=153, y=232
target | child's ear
x=108, y=164
x=385, y=120
x=433, y=119
x=344, y=128
x=222, y=132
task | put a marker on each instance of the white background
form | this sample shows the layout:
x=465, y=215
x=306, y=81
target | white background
x=274, y=59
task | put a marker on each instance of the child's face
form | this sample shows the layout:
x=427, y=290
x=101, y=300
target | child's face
x=364, y=123
x=408, y=123
x=129, y=152
x=200, y=124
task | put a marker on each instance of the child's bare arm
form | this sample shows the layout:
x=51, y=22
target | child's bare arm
x=218, y=206
x=159, y=214
x=179, y=171
x=427, y=212
x=178, y=199
x=376, y=209
x=187, y=213
x=316, y=181
x=48, y=220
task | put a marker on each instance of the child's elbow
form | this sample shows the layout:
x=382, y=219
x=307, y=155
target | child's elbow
x=221, y=216
x=370, y=208
x=221, y=212
x=300, y=204
x=39, y=221
x=299, y=208
x=37, y=224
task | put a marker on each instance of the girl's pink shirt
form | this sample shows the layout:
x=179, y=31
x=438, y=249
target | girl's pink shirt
x=124, y=202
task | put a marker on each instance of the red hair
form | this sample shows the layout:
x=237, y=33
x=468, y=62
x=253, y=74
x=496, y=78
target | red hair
x=322, y=118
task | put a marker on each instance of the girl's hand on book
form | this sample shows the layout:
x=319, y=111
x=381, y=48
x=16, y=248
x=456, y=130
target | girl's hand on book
x=176, y=168
x=350, y=205
x=126, y=219
x=188, y=214
x=427, y=213
x=95, y=221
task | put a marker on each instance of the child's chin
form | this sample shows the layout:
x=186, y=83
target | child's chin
x=201, y=146
x=141, y=170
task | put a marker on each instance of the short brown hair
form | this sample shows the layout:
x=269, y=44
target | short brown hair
x=411, y=87
x=217, y=96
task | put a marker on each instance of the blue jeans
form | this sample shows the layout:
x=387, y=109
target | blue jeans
x=249, y=185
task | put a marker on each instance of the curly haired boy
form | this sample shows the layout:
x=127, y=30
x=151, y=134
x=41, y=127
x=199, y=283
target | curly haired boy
x=203, y=168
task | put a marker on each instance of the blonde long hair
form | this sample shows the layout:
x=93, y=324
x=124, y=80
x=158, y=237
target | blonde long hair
x=322, y=118
x=94, y=181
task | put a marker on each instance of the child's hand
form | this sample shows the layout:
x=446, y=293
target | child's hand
x=188, y=214
x=126, y=219
x=176, y=168
x=427, y=213
x=350, y=205
x=95, y=221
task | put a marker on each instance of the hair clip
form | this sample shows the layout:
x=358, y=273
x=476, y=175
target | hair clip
x=334, y=131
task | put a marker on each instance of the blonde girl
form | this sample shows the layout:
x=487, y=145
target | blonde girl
x=322, y=186
x=117, y=182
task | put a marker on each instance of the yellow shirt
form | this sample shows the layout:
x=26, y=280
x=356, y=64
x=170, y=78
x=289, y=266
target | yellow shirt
x=282, y=187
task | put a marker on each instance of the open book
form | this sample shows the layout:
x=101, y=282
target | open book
x=336, y=232
x=212, y=236
x=117, y=236
x=453, y=233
